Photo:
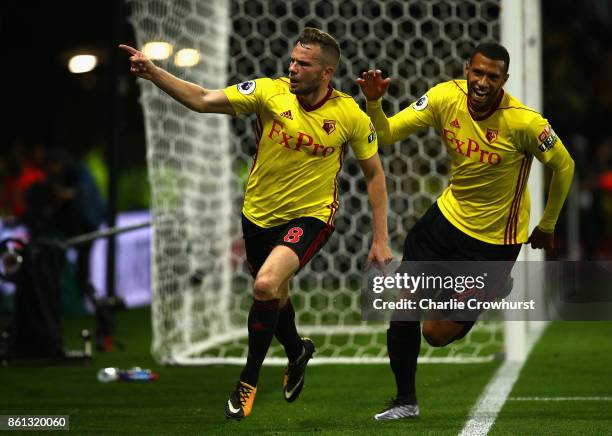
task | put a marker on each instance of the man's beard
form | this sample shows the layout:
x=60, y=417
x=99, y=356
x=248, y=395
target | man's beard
x=306, y=90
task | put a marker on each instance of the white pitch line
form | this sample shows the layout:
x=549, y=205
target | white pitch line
x=492, y=399
x=560, y=399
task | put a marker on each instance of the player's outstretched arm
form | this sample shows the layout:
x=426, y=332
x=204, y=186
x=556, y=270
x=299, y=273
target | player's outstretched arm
x=562, y=166
x=373, y=87
x=380, y=253
x=389, y=130
x=188, y=94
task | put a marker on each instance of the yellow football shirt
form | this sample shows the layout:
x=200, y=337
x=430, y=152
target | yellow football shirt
x=487, y=197
x=300, y=150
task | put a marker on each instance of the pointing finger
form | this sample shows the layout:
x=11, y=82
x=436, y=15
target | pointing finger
x=127, y=48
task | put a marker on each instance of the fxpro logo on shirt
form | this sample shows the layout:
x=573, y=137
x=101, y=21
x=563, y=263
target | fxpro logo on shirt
x=471, y=149
x=302, y=141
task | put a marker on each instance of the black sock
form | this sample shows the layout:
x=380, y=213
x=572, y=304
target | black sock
x=287, y=334
x=404, y=344
x=263, y=317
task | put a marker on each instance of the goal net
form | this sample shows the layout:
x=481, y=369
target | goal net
x=198, y=165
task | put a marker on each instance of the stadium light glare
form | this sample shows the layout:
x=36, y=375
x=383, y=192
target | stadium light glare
x=82, y=63
x=187, y=57
x=157, y=50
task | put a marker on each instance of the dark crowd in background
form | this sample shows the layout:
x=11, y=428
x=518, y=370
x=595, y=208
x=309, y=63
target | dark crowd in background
x=577, y=65
x=53, y=172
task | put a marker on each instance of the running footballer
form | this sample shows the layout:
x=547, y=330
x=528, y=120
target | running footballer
x=483, y=215
x=303, y=131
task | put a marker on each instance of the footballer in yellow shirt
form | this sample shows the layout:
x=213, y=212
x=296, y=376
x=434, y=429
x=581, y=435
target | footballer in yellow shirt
x=300, y=150
x=304, y=130
x=491, y=155
x=483, y=215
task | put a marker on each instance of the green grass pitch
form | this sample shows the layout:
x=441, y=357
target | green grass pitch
x=571, y=359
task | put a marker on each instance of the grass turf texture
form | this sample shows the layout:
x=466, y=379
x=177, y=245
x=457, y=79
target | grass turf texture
x=572, y=359
x=337, y=399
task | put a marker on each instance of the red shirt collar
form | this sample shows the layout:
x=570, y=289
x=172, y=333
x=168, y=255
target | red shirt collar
x=308, y=108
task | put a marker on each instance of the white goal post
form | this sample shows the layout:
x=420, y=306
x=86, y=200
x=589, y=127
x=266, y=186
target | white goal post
x=198, y=165
x=521, y=34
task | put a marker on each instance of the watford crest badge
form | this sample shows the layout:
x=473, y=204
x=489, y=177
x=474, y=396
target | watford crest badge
x=329, y=126
x=491, y=135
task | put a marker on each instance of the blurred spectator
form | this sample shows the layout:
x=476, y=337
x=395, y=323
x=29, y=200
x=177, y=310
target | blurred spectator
x=4, y=211
x=594, y=191
x=23, y=170
x=68, y=203
x=95, y=163
x=577, y=66
x=133, y=189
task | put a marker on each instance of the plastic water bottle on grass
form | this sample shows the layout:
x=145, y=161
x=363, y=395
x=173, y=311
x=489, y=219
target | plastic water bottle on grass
x=107, y=375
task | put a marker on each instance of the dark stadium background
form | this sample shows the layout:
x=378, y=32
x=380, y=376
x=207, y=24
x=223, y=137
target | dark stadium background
x=43, y=102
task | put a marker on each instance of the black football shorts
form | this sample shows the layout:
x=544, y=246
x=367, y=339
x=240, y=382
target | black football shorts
x=434, y=238
x=305, y=236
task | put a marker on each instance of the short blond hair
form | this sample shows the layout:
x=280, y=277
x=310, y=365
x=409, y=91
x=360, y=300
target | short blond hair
x=329, y=45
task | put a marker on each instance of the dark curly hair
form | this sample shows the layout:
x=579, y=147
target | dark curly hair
x=494, y=51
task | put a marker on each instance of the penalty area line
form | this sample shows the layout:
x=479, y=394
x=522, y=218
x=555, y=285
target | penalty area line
x=492, y=399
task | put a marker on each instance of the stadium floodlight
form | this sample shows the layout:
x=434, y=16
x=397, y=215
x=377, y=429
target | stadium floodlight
x=82, y=63
x=187, y=57
x=157, y=50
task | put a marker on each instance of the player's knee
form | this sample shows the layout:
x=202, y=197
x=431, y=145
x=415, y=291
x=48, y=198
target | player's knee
x=436, y=337
x=264, y=288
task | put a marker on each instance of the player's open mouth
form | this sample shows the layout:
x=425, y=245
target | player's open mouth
x=479, y=96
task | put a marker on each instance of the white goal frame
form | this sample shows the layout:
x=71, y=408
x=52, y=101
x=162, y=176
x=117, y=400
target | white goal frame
x=196, y=165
